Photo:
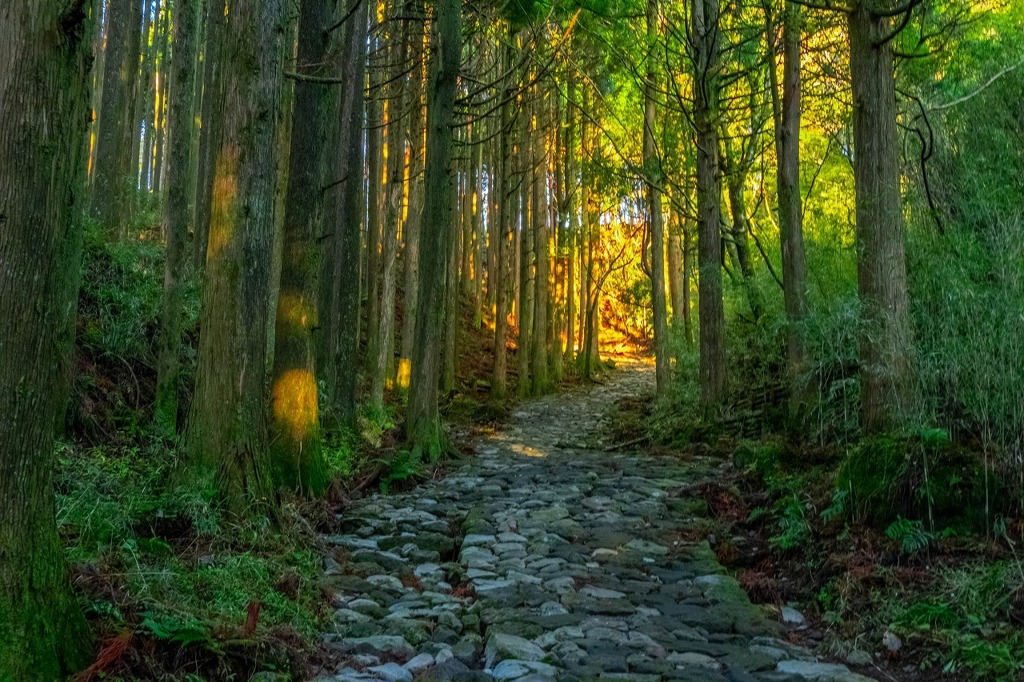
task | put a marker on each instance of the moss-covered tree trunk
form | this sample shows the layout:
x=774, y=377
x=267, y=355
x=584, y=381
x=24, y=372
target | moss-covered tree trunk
x=296, y=459
x=44, y=97
x=706, y=65
x=178, y=214
x=885, y=348
x=423, y=422
x=227, y=429
x=113, y=188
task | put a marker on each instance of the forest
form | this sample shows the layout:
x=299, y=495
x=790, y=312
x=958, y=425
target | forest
x=511, y=340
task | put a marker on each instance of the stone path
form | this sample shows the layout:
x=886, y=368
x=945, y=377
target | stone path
x=547, y=558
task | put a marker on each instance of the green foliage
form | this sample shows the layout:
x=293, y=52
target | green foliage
x=794, y=528
x=404, y=466
x=871, y=473
x=180, y=630
x=965, y=617
x=910, y=534
x=180, y=572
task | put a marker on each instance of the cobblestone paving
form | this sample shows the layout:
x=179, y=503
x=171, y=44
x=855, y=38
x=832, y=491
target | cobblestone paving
x=547, y=558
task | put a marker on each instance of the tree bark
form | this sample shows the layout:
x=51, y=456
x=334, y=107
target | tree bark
x=113, y=189
x=385, y=342
x=423, y=422
x=296, y=458
x=786, y=116
x=344, y=242
x=417, y=183
x=881, y=266
x=210, y=122
x=44, y=98
x=227, y=426
x=178, y=215
x=540, y=371
x=502, y=234
x=706, y=58
x=652, y=167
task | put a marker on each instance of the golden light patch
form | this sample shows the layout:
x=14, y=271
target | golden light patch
x=225, y=191
x=295, y=402
x=528, y=451
x=295, y=311
x=404, y=373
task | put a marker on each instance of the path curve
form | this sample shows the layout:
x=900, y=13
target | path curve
x=547, y=558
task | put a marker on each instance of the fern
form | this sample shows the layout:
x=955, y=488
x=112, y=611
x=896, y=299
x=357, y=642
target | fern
x=910, y=534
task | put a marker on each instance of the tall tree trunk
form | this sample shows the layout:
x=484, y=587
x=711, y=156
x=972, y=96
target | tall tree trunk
x=525, y=298
x=572, y=231
x=296, y=459
x=385, y=342
x=178, y=215
x=44, y=98
x=226, y=433
x=786, y=115
x=652, y=167
x=209, y=133
x=590, y=295
x=481, y=263
x=162, y=110
x=502, y=234
x=374, y=224
x=114, y=185
x=145, y=98
x=540, y=371
x=706, y=59
x=423, y=422
x=344, y=242
x=413, y=227
x=881, y=266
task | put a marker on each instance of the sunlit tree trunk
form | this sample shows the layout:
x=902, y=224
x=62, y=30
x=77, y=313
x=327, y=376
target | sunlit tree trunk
x=881, y=266
x=226, y=433
x=706, y=58
x=525, y=298
x=540, y=374
x=417, y=186
x=296, y=459
x=382, y=364
x=571, y=208
x=178, y=214
x=652, y=167
x=114, y=184
x=590, y=295
x=44, y=98
x=423, y=422
x=210, y=120
x=502, y=234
